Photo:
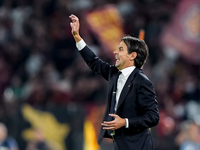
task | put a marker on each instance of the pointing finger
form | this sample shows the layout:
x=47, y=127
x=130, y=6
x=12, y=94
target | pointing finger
x=73, y=17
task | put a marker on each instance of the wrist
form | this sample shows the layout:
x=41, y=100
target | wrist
x=77, y=38
x=124, y=122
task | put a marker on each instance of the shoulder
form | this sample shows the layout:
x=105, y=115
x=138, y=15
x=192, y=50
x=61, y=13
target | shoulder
x=140, y=75
x=11, y=142
x=141, y=78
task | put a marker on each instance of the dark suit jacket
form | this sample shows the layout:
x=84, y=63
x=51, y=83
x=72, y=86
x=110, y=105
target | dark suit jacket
x=137, y=103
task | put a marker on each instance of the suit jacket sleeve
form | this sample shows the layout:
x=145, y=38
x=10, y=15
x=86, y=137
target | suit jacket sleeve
x=148, y=107
x=97, y=65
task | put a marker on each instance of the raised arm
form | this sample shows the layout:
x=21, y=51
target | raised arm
x=97, y=65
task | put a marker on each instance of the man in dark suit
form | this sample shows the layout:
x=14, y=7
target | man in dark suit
x=131, y=106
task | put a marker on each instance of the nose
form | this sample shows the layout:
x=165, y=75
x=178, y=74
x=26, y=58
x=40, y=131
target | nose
x=115, y=52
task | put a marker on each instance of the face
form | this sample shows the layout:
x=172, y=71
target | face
x=3, y=134
x=123, y=59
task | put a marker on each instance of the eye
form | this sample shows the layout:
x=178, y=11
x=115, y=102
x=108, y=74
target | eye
x=121, y=49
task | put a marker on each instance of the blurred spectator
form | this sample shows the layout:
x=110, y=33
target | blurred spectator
x=189, y=136
x=38, y=142
x=34, y=63
x=6, y=142
x=165, y=132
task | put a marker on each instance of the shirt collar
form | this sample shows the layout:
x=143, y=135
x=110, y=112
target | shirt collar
x=128, y=70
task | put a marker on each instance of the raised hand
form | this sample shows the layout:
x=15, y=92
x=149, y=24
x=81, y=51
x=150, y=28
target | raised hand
x=75, y=25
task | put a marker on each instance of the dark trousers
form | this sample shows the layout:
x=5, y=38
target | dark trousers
x=115, y=146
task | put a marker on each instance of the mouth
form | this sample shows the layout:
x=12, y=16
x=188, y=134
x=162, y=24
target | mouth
x=117, y=59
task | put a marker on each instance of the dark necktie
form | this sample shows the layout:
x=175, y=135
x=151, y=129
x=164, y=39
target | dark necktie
x=113, y=101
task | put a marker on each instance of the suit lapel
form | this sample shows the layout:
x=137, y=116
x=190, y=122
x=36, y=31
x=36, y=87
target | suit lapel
x=127, y=87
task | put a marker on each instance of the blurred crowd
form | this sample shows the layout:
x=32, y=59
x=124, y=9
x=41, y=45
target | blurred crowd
x=40, y=65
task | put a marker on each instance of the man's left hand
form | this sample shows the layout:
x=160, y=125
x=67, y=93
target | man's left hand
x=117, y=123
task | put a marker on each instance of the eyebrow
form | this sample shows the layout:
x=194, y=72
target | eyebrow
x=120, y=47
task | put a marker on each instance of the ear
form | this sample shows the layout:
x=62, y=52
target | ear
x=133, y=55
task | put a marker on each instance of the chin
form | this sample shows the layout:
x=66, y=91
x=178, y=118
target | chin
x=117, y=66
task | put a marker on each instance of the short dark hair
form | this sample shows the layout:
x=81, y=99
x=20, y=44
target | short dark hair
x=139, y=46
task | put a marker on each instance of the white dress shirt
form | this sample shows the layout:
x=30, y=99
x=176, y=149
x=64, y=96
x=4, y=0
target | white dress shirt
x=121, y=80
